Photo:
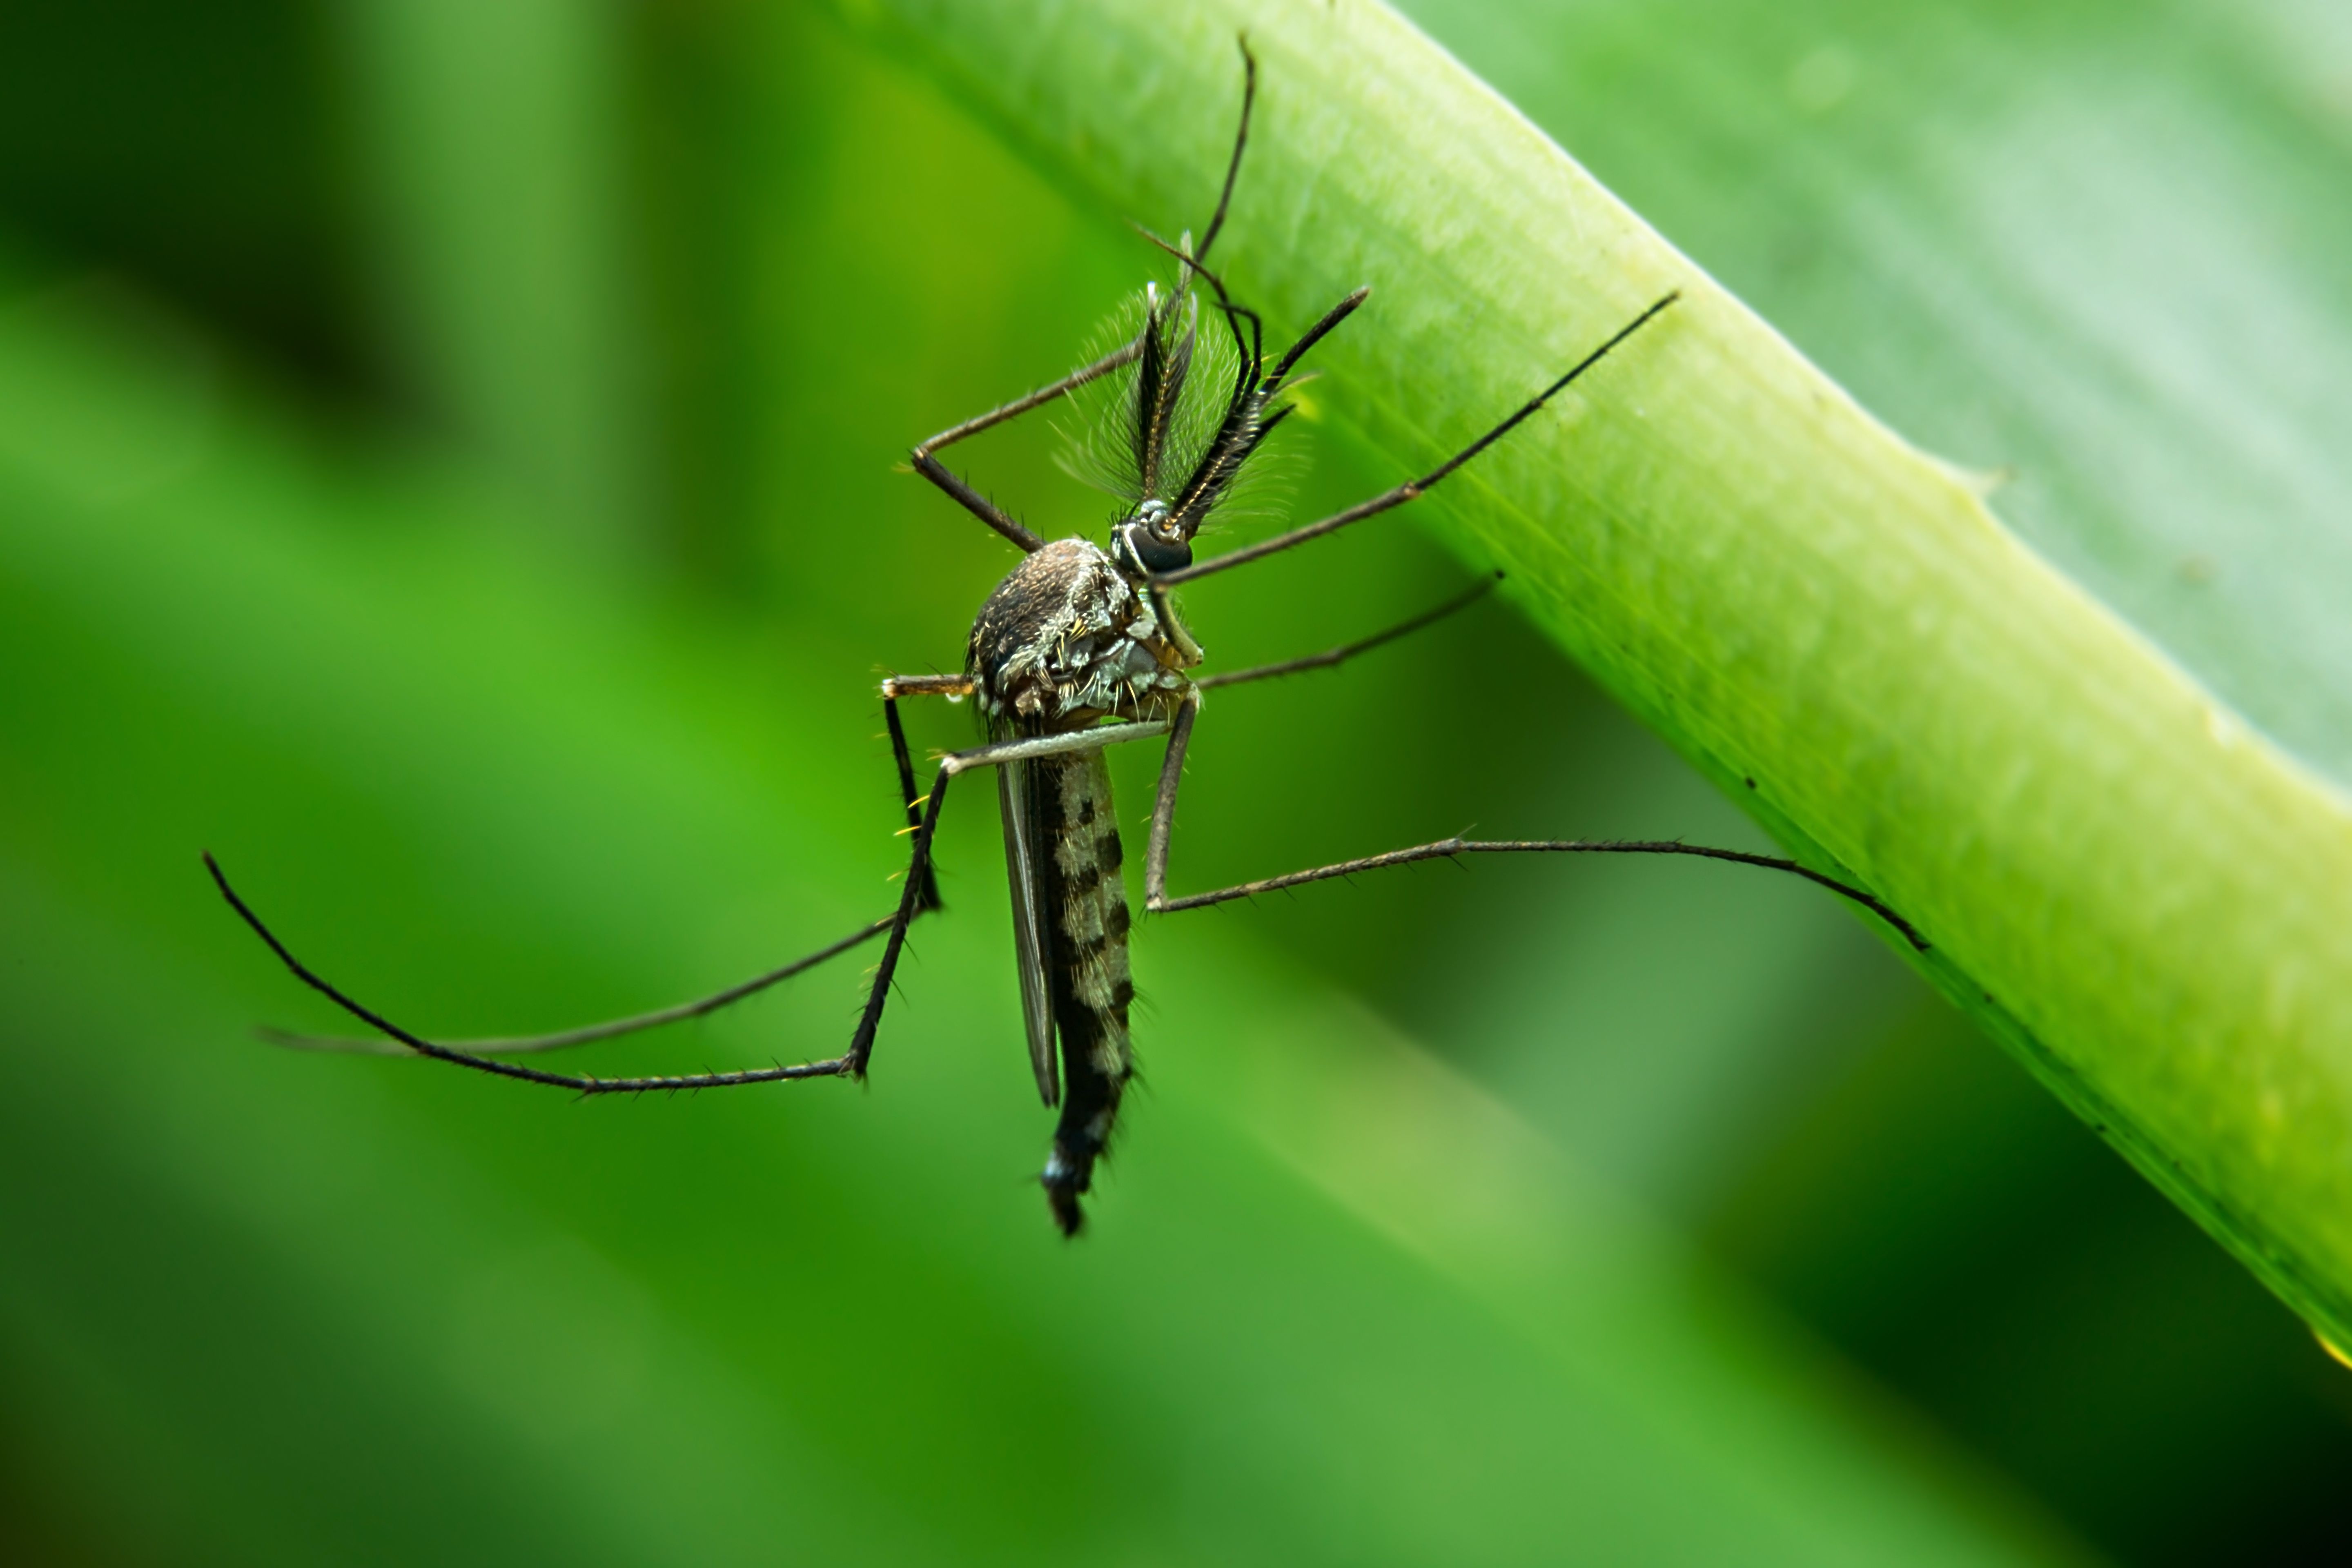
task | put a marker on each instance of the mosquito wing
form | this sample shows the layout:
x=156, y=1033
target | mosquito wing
x=1028, y=857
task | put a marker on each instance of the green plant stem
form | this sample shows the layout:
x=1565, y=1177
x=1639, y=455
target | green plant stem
x=2147, y=902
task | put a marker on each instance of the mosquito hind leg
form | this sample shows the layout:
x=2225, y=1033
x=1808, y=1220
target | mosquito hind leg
x=928, y=464
x=578, y=1083
x=519, y=1045
x=849, y=1064
x=614, y=1028
x=1156, y=900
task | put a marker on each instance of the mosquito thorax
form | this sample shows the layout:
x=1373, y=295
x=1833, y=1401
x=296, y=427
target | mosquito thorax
x=1068, y=638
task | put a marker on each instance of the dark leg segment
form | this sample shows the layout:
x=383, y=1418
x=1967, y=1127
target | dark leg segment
x=1314, y=334
x=918, y=870
x=851, y=1063
x=906, y=761
x=1233, y=163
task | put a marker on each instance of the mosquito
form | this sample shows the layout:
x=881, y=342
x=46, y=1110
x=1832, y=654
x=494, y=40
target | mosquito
x=1080, y=648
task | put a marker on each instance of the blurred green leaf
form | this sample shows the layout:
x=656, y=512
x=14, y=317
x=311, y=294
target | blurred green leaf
x=492, y=142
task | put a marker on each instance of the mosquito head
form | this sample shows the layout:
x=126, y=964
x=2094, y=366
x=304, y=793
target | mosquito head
x=1149, y=543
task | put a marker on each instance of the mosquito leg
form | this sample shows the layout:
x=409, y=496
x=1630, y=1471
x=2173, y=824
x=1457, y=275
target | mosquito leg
x=971, y=500
x=899, y=686
x=950, y=687
x=1163, y=819
x=1233, y=163
x=1412, y=490
x=578, y=1083
x=520, y=1044
x=850, y=1063
x=1341, y=654
x=861, y=1045
x=1447, y=848
x=928, y=465
x=1068, y=743
x=1315, y=334
x=1163, y=805
x=517, y=1044
x=919, y=871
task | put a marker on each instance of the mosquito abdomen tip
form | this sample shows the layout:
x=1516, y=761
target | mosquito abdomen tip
x=1067, y=1213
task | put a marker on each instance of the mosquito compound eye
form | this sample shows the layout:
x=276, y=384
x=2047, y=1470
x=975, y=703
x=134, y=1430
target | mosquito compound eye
x=1155, y=553
x=1173, y=555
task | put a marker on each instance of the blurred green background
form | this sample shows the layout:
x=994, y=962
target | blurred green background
x=446, y=469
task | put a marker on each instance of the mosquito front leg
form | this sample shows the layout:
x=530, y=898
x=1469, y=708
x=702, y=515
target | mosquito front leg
x=928, y=464
x=971, y=500
x=925, y=455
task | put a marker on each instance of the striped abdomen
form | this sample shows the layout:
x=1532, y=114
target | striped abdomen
x=1087, y=902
